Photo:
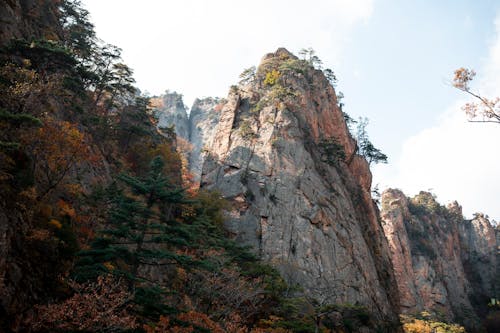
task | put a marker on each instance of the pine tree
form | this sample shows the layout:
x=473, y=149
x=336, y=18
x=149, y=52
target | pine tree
x=141, y=234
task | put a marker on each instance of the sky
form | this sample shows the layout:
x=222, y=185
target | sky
x=394, y=60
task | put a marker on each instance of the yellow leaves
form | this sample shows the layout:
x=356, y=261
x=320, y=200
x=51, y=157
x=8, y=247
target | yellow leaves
x=73, y=189
x=55, y=223
x=57, y=147
x=426, y=324
x=271, y=78
x=188, y=212
x=109, y=266
x=26, y=63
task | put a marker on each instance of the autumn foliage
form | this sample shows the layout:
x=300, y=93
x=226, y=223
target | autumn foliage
x=103, y=305
x=482, y=109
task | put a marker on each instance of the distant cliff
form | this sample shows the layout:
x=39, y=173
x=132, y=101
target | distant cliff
x=171, y=111
x=195, y=125
x=442, y=262
x=283, y=155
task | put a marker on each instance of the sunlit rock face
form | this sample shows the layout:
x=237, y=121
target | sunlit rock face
x=300, y=207
x=442, y=262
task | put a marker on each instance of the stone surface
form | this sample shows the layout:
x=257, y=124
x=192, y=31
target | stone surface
x=442, y=262
x=314, y=221
x=171, y=111
x=203, y=119
x=28, y=19
x=194, y=130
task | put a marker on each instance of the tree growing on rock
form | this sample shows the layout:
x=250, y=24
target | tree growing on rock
x=482, y=109
x=366, y=147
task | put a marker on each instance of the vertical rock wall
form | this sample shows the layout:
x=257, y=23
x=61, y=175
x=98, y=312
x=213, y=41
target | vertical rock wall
x=308, y=214
x=203, y=119
x=442, y=262
x=196, y=127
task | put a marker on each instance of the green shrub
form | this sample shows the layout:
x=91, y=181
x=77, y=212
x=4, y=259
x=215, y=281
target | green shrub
x=332, y=152
x=246, y=131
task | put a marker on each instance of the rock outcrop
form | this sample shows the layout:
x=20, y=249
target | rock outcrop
x=196, y=125
x=203, y=119
x=171, y=111
x=29, y=19
x=283, y=155
x=442, y=262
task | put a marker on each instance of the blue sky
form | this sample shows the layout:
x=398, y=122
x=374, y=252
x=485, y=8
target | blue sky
x=393, y=58
x=404, y=56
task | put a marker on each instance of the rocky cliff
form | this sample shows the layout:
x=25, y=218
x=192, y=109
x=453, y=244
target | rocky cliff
x=196, y=125
x=442, y=262
x=171, y=111
x=282, y=154
x=29, y=19
x=203, y=119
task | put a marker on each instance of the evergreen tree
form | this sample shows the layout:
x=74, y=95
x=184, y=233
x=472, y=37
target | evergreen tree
x=366, y=148
x=141, y=234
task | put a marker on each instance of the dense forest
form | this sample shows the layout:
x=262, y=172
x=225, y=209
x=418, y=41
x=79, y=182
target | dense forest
x=98, y=230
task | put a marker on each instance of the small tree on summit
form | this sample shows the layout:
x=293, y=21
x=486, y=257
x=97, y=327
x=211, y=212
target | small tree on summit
x=309, y=55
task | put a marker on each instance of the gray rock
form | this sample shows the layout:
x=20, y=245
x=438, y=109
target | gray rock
x=442, y=262
x=311, y=220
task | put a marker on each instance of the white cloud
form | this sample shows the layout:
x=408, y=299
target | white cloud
x=199, y=47
x=458, y=160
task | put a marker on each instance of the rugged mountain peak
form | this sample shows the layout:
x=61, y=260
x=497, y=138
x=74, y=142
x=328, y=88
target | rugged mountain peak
x=170, y=110
x=281, y=52
x=455, y=208
x=283, y=155
x=442, y=262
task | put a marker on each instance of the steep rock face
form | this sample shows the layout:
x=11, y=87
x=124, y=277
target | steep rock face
x=301, y=207
x=441, y=261
x=480, y=258
x=197, y=128
x=170, y=110
x=29, y=19
x=203, y=119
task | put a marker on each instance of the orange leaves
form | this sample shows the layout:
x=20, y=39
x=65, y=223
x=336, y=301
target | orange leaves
x=462, y=78
x=55, y=223
x=483, y=109
x=96, y=307
x=58, y=148
x=200, y=320
x=192, y=318
x=66, y=209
